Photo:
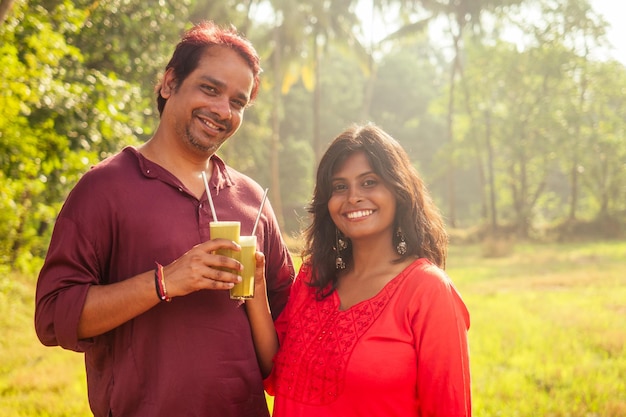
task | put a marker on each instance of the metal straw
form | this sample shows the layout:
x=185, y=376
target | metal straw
x=258, y=216
x=208, y=193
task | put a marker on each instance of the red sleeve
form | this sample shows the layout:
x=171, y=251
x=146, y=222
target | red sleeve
x=298, y=293
x=440, y=324
x=279, y=265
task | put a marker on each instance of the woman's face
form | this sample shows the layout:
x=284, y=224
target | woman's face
x=361, y=205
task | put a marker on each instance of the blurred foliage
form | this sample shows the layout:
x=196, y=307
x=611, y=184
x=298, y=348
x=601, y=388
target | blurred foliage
x=525, y=139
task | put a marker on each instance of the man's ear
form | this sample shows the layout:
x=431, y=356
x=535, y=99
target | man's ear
x=168, y=86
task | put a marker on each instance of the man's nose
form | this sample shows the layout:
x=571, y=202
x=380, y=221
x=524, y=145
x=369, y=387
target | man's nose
x=221, y=107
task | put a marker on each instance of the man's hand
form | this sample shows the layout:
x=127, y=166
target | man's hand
x=200, y=269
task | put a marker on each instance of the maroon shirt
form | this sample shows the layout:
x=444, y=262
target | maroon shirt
x=193, y=356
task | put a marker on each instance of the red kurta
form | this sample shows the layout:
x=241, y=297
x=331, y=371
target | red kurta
x=401, y=353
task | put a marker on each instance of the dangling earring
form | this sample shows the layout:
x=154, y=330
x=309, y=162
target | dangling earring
x=340, y=245
x=401, y=246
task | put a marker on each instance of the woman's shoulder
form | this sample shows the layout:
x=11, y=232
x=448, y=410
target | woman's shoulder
x=425, y=276
x=302, y=282
x=426, y=269
x=427, y=290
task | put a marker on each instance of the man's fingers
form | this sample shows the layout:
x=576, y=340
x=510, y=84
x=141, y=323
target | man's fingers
x=215, y=244
x=222, y=275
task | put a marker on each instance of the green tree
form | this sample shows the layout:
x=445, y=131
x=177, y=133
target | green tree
x=59, y=118
x=604, y=176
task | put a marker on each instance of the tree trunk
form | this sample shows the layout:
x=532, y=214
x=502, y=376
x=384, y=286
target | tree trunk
x=368, y=93
x=450, y=121
x=317, y=98
x=5, y=6
x=480, y=166
x=277, y=203
x=491, y=173
x=574, y=175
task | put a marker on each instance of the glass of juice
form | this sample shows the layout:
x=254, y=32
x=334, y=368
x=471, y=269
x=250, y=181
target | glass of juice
x=226, y=230
x=245, y=289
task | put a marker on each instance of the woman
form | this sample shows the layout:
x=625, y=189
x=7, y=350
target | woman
x=373, y=326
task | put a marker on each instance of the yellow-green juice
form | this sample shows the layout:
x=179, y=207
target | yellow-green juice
x=245, y=289
x=226, y=230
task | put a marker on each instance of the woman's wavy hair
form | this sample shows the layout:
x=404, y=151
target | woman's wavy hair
x=416, y=214
x=196, y=41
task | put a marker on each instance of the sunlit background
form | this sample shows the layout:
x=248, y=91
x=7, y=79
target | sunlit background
x=513, y=112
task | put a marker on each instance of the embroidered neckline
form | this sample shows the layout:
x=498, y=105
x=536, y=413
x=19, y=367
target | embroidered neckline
x=400, y=276
x=311, y=364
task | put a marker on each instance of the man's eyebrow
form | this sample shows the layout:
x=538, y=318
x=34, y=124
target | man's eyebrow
x=222, y=85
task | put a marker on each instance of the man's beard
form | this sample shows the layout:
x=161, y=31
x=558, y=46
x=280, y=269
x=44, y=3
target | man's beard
x=211, y=149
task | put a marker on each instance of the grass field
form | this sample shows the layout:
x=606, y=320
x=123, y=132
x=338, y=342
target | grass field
x=548, y=336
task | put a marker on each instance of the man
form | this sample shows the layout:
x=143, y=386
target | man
x=102, y=289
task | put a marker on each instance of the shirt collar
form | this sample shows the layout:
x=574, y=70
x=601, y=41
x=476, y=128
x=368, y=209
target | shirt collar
x=220, y=177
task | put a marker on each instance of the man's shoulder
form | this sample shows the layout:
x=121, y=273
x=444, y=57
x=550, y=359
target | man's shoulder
x=124, y=158
x=238, y=175
x=118, y=163
x=109, y=172
x=240, y=179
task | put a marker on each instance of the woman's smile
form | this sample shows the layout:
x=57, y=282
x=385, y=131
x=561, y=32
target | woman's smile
x=354, y=215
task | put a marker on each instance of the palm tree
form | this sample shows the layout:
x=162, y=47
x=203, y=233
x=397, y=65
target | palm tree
x=461, y=15
x=297, y=36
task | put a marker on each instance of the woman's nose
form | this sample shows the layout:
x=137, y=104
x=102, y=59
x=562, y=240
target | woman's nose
x=354, y=195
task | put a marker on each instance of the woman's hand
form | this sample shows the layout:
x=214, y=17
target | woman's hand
x=260, y=317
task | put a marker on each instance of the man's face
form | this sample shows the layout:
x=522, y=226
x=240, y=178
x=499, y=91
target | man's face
x=207, y=108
